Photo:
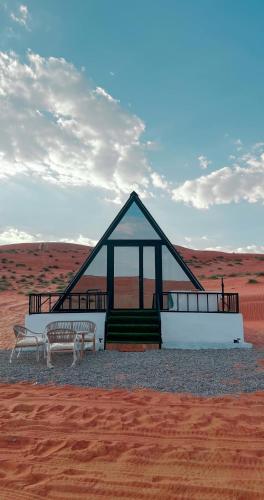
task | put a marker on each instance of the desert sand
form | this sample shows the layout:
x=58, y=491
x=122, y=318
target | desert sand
x=72, y=443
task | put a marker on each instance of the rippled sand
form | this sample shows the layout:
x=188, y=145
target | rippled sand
x=72, y=443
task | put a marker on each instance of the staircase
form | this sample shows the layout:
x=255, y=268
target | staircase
x=133, y=330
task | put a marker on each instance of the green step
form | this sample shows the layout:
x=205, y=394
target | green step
x=133, y=336
x=133, y=319
x=133, y=326
x=127, y=312
x=136, y=334
x=130, y=327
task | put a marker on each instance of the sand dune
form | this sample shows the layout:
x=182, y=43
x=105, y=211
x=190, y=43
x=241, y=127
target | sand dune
x=71, y=443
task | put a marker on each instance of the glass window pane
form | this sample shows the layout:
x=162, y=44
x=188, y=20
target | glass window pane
x=126, y=277
x=94, y=279
x=134, y=226
x=98, y=266
x=149, y=276
x=174, y=278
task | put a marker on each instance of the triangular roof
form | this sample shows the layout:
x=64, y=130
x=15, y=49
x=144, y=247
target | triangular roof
x=134, y=198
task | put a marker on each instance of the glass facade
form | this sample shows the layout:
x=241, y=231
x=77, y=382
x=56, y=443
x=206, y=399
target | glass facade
x=132, y=287
x=126, y=277
x=132, y=265
x=173, y=276
x=134, y=226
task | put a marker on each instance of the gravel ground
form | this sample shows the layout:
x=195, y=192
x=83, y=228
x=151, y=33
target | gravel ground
x=204, y=372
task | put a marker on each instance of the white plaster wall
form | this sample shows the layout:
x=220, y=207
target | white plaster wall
x=38, y=322
x=179, y=330
x=201, y=330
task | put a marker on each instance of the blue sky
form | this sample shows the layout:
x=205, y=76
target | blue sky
x=99, y=98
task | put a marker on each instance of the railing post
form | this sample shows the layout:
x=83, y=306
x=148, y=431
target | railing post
x=223, y=294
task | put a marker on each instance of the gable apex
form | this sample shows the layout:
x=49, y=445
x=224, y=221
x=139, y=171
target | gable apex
x=133, y=195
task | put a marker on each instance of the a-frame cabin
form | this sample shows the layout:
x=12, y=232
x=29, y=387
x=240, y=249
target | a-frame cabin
x=136, y=287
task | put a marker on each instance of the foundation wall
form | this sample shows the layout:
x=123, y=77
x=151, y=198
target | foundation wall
x=179, y=330
x=38, y=322
x=202, y=330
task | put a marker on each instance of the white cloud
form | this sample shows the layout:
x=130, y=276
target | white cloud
x=194, y=242
x=258, y=146
x=21, y=16
x=239, y=144
x=13, y=235
x=159, y=181
x=245, y=249
x=204, y=162
x=81, y=240
x=101, y=91
x=116, y=200
x=226, y=185
x=56, y=127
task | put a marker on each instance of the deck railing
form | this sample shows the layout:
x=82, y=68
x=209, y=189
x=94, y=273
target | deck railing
x=73, y=302
x=201, y=302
